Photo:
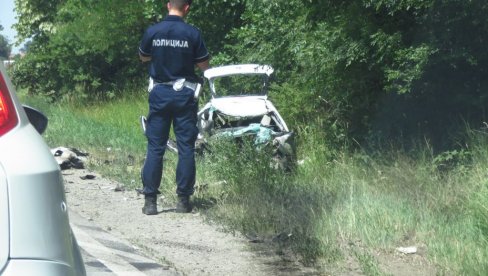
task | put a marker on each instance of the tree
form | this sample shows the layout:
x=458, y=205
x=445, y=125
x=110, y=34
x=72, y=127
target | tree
x=5, y=46
x=91, y=46
x=88, y=46
x=37, y=18
x=216, y=19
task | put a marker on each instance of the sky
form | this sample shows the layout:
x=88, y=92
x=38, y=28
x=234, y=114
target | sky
x=7, y=19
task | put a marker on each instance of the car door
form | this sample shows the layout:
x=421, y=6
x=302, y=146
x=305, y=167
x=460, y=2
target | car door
x=4, y=223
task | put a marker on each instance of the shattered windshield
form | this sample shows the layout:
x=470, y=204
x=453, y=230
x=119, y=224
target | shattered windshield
x=237, y=85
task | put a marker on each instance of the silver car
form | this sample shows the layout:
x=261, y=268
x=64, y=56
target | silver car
x=35, y=235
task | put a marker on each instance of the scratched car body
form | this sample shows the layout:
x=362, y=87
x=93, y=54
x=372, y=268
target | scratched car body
x=239, y=107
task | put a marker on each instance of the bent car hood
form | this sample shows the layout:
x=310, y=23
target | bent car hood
x=247, y=106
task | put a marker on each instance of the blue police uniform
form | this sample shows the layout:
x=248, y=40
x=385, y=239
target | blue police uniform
x=174, y=47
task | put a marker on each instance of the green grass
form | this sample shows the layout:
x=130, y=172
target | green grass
x=335, y=198
x=108, y=131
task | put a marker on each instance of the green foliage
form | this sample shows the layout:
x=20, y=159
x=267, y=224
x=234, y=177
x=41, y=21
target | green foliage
x=90, y=48
x=5, y=46
x=340, y=61
x=262, y=201
x=31, y=72
x=36, y=18
x=393, y=6
x=407, y=67
x=216, y=19
x=345, y=60
x=478, y=200
x=374, y=70
x=109, y=132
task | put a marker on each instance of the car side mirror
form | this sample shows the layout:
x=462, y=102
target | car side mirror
x=36, y=118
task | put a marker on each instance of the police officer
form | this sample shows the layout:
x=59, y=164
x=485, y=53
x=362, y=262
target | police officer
x=173, y=48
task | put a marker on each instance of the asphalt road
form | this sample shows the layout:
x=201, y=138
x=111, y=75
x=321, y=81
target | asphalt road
x=104, y=254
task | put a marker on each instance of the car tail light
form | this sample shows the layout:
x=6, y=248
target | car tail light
x=8, y=116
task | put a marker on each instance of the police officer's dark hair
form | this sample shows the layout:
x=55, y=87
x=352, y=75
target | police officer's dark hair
x=179, y=4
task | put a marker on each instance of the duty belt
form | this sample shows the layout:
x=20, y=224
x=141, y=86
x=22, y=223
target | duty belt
x=179, y=84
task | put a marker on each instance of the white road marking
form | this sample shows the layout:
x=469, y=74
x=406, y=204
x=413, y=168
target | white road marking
x=112, y=261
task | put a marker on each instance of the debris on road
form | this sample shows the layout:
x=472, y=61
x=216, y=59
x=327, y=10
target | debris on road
x=407, y=250
x=69, y=158
x=87, y=177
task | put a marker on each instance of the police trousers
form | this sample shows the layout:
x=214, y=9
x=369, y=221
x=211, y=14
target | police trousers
x=178, y=108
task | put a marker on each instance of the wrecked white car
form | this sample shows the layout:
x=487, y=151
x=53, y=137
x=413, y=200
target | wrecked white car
x=239, y=106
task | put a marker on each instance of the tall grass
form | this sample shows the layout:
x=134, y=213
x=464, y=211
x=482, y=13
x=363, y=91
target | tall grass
x=395, y=200
x=335, y=205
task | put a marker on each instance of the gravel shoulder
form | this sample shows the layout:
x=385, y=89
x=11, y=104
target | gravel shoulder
x=186, y=242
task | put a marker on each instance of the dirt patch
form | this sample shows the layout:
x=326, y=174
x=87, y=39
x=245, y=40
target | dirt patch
x=362, y=260
x=406, y=264
x=190, y=244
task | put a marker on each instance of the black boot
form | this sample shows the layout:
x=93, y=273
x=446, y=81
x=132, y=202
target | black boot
x=183, y=205
x=150, y=205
